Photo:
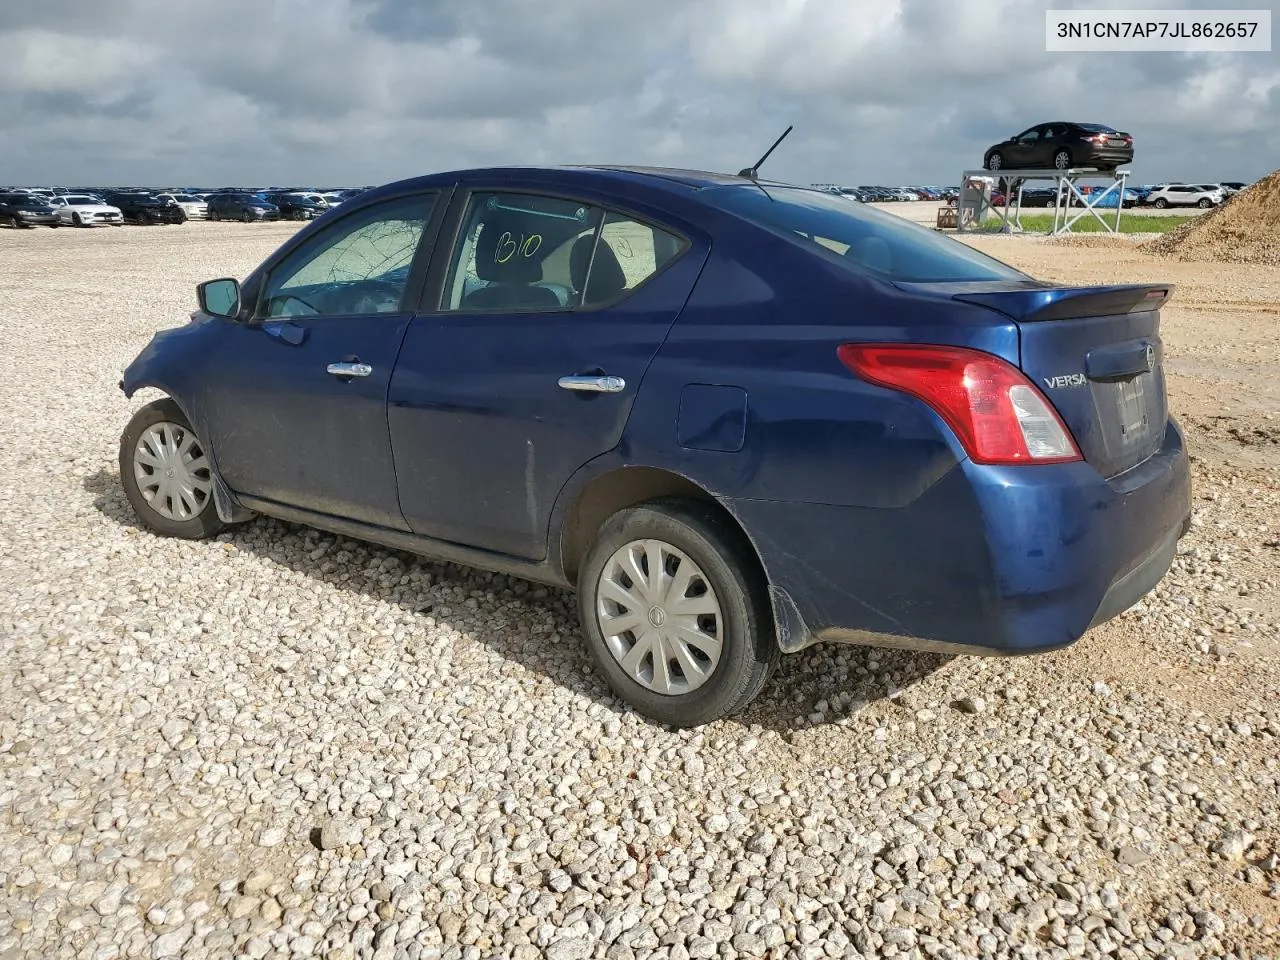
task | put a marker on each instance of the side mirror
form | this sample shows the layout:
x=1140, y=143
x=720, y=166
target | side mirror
x=221, y=298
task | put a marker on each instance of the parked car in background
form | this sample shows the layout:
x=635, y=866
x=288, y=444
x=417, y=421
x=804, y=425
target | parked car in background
x=246, y=207
x=193, y=206
x=146, y=208
x=26, y=210
x=1232, y=187
x=949, y=454
x=1061, y=146
x=83, y=210
x=298, y=206
x=1186, y=195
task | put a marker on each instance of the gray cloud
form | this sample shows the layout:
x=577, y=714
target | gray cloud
x=363, y=91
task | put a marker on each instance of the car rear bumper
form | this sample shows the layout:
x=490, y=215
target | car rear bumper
x=1108, y=155
x=995, y=560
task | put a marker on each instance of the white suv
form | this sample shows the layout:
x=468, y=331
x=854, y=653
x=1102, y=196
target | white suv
x=1186, y=195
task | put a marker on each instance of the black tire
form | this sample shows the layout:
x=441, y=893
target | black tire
x=1205, y=203
x=55, y=225
x=246, y=217
x=1062, y=160
x=995, y=160
x=78, y=219
x=749, y=649
x=205, y=523
x=213, y=215
x=1161, y=203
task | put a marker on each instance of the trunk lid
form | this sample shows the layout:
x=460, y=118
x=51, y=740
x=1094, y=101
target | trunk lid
x=1094, y=352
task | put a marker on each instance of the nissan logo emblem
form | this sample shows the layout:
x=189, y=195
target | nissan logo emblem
x=1151, y=357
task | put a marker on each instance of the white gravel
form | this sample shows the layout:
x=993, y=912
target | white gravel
x=285, y=744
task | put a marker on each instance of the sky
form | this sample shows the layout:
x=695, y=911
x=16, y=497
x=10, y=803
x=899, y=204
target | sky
x=356, y=92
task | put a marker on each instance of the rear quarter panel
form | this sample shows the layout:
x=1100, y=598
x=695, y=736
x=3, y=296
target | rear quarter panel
x=766, y=318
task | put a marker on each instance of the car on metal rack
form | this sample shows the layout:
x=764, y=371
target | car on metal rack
x=740, y=417
x=1061, y=146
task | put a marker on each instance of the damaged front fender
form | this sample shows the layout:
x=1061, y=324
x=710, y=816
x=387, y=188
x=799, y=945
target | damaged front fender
x=172, y=363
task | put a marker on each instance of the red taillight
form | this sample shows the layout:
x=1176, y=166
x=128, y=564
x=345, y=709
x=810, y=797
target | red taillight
x=997, y=413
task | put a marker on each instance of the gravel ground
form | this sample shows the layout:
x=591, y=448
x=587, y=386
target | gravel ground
x=285, y=744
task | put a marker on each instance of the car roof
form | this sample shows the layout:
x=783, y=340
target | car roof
x=668, y=179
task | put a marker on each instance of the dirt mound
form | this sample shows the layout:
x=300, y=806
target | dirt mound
x=1245, y=229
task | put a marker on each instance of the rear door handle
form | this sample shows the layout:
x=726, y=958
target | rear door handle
x=346, y=369
x=594, y=384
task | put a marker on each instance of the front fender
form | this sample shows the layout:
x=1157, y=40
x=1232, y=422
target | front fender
x=172, y=363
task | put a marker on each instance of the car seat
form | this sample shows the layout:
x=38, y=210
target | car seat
x=599, y=280
x=509, y=285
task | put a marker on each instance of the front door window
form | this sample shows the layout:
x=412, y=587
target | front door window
x=358, y=265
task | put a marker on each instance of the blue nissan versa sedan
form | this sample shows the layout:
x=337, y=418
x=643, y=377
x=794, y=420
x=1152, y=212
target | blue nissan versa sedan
x=741, y=417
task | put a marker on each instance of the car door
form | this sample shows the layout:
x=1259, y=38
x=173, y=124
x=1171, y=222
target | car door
x=1046, y=145
x=1022, y=148
x=296, y=398
x=550, y=311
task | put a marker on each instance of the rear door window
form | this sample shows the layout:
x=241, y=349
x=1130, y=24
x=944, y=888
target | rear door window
x=522, y=253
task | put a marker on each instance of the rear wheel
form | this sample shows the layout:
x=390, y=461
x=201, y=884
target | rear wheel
x=1161, y=203
x=166, y=473
x=676, y=613
x=1062, y=160
x=995, y=161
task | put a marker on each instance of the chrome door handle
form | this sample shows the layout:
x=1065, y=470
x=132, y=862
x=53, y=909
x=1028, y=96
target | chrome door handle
x=594, y=384
x=349, y=369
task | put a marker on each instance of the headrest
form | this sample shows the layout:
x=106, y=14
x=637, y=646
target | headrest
x=607, y=277
x=499, y=256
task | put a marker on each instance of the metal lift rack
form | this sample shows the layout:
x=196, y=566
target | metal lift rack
x=1070, y=204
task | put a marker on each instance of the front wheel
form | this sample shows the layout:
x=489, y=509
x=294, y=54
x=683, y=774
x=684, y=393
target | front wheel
x=246, y=217
x=995, y=161
x=166, y=473
x=1161, y=203
x=676, y=613
x=1205, y=203
x=78, y=219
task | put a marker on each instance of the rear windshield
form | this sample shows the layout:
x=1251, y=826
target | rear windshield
x=879, y=243
x=1096, y=127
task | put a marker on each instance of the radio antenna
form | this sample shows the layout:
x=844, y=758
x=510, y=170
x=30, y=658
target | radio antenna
x=753, y=171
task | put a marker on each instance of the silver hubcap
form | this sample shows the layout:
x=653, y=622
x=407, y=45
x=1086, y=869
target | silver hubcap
x=1062, y=161
x=994, y=162
x=172, y=471
x=659, y=617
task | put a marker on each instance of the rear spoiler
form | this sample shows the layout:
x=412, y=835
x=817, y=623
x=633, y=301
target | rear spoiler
x=1063, y=303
